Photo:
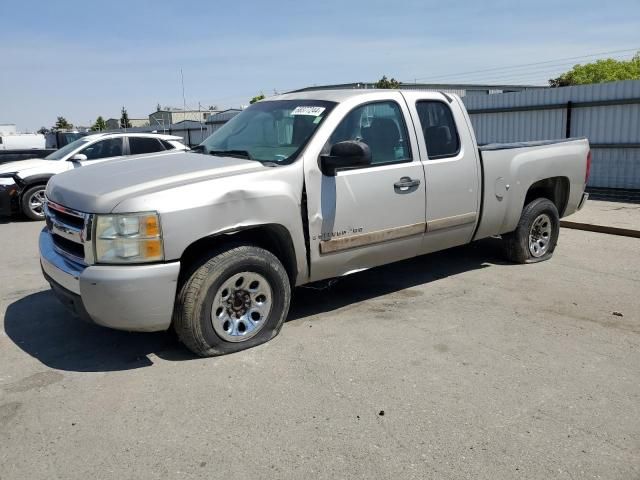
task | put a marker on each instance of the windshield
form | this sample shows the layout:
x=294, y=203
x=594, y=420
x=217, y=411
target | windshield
x=269, y=131
x=64, y=151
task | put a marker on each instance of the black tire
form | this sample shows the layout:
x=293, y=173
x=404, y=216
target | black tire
x=26, y=202
x=516, y=243
x=192, y=318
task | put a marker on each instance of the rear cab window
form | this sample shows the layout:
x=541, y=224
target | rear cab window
x=438, y=128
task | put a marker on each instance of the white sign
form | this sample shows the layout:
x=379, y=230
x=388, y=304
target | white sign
x=313, y=111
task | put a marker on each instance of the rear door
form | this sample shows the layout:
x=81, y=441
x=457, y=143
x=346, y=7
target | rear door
x=371, y=215
x=451, y=164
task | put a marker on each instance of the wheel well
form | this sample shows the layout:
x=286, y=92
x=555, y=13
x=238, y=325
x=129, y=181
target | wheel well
x=555, y=189
x=272, y=237
x=26, y=185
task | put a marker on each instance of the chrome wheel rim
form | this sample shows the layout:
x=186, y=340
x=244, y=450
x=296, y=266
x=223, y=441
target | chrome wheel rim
x=540, y=235
x=36, y=202
x=241, y=306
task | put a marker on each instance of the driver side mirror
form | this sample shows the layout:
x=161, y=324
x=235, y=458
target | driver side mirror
x=348, y=154
x=78, y=157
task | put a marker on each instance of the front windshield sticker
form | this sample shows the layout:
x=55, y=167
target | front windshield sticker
x=313, y=111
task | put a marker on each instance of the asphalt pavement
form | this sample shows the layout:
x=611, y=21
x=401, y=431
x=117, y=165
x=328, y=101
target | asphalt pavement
x=452, y=365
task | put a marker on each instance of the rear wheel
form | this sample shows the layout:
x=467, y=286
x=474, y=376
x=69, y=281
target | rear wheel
x=536, y=235
x=234, y=300
x=32, y=202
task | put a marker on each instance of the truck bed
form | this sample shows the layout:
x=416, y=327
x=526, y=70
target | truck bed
x=7, y=156
x=508, y=169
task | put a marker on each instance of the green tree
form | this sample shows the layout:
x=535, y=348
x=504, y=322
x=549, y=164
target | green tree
x=43, y=130
x=257, y=98
x=600, y=71
x=124, y=119
x=100, y=125
x=62, y=124
x=385, y=82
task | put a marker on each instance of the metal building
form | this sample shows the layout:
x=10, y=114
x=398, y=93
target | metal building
x=8, y=129
x=608, y=114
x=169, y=116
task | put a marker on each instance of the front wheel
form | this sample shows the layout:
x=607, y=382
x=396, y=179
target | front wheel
x=32, y=202
x=536, y=235
x=234, y=300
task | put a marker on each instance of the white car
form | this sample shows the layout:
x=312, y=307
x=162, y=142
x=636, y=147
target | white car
x=22, y=183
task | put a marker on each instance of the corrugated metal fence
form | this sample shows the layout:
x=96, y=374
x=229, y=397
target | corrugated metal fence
x=607, y=114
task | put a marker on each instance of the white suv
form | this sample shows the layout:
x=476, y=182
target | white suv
x=22, y=183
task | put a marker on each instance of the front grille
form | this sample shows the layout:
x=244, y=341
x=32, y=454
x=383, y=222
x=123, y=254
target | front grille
x=67, y=218
x=67, y=246
x=68, y=230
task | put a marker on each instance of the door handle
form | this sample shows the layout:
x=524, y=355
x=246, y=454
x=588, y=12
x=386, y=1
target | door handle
x=405, y=183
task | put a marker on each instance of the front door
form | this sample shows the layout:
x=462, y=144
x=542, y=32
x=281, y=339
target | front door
x=101, y=150
x=375, y=214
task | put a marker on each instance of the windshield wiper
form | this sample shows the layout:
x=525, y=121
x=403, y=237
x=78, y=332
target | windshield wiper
x=231, y=153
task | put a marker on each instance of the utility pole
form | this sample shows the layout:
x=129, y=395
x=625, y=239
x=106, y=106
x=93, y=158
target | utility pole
x=184, y=101
x=200, y=118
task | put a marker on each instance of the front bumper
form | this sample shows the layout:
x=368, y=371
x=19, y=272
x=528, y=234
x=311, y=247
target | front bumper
x=8, y=198
x=133, y=298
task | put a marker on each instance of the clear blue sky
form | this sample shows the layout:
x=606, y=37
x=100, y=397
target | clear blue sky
x=84, y=59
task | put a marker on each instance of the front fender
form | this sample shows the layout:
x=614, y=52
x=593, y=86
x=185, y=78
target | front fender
x=192, y=212
x=29, y=180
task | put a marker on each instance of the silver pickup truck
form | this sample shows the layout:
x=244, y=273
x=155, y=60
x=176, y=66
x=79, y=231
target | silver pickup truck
x=296, y=189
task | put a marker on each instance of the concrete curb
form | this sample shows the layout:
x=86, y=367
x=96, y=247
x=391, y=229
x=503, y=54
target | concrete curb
x=624, y=232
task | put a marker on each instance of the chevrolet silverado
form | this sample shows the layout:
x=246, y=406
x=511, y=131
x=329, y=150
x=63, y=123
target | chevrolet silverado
x=296, y=189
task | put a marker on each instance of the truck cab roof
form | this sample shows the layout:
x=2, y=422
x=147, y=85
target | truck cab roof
x=338, y=95
x=95, y=136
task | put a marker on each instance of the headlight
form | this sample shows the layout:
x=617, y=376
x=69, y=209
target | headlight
x=7, y=179
x=128, y=238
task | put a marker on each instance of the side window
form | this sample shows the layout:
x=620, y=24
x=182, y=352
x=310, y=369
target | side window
x=381, y=126
x=139, y=145
x=167, y=145
x=111, y=147
x=439, y=129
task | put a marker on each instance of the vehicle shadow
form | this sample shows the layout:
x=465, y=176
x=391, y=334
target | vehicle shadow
x=15, y=219
x=43, y=328
x=376, y=282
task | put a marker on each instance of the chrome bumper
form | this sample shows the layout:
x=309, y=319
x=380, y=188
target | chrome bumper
x=585, y=197
x=134, y=298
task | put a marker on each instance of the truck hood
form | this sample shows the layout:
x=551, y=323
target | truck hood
x=100, y=188
x=22, y=165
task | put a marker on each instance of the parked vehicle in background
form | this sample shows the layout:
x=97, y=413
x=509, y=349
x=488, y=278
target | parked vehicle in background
x=22, y=141
x=52, y=142
x=59, y=139
x=22, y=183
x=295, y=189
